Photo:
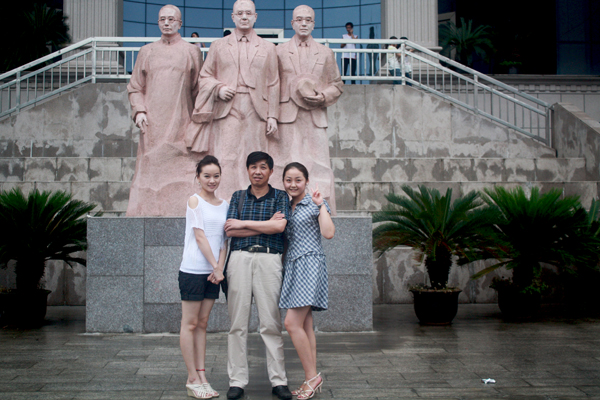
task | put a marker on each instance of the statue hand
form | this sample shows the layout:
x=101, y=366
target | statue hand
x=271, y=126
x=141, y=121
x=226, y=93
x=317, y=100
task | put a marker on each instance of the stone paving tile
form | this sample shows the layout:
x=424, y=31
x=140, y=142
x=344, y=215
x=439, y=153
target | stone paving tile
x=549, y=359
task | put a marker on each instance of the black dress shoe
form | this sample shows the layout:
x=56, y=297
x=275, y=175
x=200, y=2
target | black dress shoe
x=235, y=393
x=283, y=392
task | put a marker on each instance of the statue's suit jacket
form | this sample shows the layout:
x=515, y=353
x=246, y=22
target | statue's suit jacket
x=321, y=62
x=221, y=67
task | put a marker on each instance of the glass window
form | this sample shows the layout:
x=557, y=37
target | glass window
x=209, y=18
x=134, y=29
x=134, y=12
x=340, y=16
x=370, y=14
x=270, y=19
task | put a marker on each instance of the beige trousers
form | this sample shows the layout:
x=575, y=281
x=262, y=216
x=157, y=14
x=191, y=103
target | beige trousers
x=258, y=274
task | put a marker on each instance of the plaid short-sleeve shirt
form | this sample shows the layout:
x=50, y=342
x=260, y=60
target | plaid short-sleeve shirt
x=261, y=209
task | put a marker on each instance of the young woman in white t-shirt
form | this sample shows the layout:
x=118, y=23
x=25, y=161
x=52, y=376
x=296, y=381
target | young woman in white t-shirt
x=201, y=272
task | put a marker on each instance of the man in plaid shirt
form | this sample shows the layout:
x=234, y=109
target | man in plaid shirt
x=255, y=269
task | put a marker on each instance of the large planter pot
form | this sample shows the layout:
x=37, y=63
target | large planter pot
x=24, y=309
x=434, y=307
x=515, y=305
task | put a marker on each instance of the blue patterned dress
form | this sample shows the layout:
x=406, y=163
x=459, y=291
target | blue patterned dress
x=304, y=269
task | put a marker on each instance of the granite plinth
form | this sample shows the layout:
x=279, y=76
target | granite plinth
x=132, y=277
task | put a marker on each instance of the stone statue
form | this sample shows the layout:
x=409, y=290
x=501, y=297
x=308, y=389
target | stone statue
x=162, y=90
x=310, y=82
x=238, y=104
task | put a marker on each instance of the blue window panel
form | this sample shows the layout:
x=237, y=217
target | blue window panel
x=178, y=3
x=218, y=4
x=334, y=33
x=270, y=19
x=208, y=18
x=152, y=13
x=291, y=4
x=288, y=33
x=268, y=4
x=318, y=33
x=152, y=30
x=228, y=5
x=370, y=14
x=340, y=3
x=134, y=29
x=134, y=12
x=204, y=32
x=340, y=16
x=365, y=30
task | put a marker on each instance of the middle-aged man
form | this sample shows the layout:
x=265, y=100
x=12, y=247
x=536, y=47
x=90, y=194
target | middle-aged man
x=239, y=97
x=310, y=82
x=162, y=89
x=255, y=269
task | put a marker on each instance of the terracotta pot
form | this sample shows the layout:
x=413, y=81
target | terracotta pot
x=436, y=307
x=24, y=309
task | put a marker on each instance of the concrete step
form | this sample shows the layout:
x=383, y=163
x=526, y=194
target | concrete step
x=358, y=169
x=360, y=197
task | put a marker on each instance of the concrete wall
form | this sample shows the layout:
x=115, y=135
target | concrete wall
x=380, y=136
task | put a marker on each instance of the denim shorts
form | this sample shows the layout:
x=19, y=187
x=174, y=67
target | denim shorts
x=194, y=287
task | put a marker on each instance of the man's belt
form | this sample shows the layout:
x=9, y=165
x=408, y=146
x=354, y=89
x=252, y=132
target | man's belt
x=242, y=89
x=260, y=249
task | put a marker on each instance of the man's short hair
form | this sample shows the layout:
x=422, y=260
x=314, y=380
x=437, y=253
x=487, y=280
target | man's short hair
x=349, y=23
x=258, y=156
x=171, y=6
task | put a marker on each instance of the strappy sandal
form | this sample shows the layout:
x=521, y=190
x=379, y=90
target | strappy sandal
x=197, y=391
x=309, y=394
x=210, y=390
x=298, y=391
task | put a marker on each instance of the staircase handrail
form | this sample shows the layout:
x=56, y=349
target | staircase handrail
x=474, y=84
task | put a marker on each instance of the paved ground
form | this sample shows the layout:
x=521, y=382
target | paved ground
x=553, y=358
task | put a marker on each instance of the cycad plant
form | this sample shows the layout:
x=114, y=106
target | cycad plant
x=436, y=227
x=40, y=227
x=466, y=40
x=540, y=228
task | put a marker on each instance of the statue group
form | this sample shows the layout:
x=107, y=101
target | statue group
x=248, y=95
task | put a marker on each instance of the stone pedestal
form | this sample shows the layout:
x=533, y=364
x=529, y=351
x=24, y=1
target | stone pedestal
x=415, y=19
x=133, y=266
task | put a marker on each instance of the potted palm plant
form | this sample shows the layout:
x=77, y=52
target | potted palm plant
x=438, y=229
x=531, y=230
x=36, y=228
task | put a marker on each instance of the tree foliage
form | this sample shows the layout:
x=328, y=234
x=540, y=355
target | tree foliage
x=38, y=29
x=466, y=40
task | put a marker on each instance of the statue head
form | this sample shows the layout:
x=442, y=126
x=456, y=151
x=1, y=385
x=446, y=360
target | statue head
x=303, y=21
x=244, y=15
x=169, y=20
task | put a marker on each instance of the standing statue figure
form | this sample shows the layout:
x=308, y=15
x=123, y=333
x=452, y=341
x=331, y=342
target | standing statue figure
x=310, y=82
x=238, y=104
x=162, y=89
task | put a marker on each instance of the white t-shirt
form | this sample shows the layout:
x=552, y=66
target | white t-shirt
x=211, y=219
x=392, y=59
x=349, y=46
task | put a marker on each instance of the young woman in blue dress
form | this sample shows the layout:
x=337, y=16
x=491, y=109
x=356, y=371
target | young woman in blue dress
x=201, y=271
x=305, y=284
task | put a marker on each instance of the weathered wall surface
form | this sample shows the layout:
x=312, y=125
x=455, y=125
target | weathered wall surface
x=381, y=136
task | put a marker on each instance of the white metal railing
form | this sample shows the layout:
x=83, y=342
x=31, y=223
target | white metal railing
x=112, y=58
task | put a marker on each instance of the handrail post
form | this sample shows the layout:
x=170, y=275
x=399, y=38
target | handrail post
x=476, y=93
x=18, y=105
x=94, y=60
x=402, y=51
